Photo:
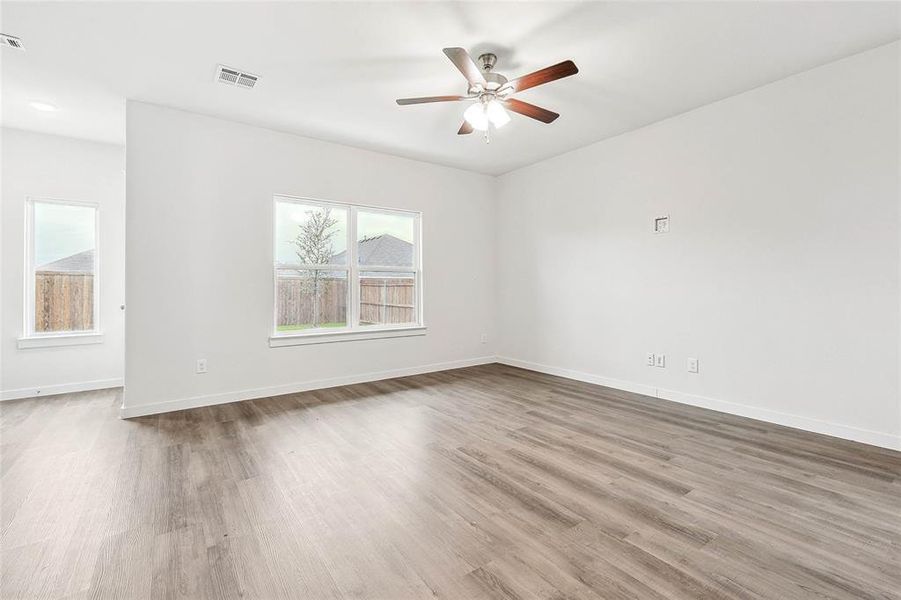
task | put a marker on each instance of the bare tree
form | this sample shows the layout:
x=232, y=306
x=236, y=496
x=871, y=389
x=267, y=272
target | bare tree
x=313, y=246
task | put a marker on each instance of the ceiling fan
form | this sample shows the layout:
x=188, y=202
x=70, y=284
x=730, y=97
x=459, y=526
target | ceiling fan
x=491, y=92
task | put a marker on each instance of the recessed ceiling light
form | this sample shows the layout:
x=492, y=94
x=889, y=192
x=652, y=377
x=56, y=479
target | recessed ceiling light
x=42, y=106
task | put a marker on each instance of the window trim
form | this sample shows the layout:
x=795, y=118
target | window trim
x=35, y=339
x=353, y=331
x=322, y=336
x=62, y=339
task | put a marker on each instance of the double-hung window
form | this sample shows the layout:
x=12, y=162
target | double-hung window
x=343, y=271
x=61, y=274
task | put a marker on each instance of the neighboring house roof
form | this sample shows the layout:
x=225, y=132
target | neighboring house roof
x=83, y=262
x=382, y=250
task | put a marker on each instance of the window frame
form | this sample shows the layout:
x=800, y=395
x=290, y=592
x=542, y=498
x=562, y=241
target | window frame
x=353, y=330
x=32, y=338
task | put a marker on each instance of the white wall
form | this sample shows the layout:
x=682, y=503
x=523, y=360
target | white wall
x=780, y=273
x=199, y=281
x=41, y=165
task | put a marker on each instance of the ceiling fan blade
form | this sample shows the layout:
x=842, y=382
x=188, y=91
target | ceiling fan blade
x=425, y=99
x=464, y=62
x=546, y=75
x=465, y=128
x=530, y=110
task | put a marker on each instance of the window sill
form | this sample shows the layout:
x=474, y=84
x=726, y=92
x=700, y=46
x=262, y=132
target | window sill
x=62, y=339
x=302, y=339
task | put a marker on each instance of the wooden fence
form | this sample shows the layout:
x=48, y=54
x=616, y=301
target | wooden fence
x=382, y=301
x=63, y=301
x=385, y=301
x=295, y=301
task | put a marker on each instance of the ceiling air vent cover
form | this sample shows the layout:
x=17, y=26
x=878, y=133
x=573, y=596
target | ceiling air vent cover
x=11, y=41
x=236, y=77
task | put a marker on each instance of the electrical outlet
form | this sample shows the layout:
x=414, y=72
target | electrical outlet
x=692, y=365
x=201, y=365
x=649, y=359
x=484, y=338
x=661, y=224
x=660, y=360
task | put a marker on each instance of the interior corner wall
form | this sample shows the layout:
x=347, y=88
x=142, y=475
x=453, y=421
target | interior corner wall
x=199, y=244
x=49, y=166
x=780, y=272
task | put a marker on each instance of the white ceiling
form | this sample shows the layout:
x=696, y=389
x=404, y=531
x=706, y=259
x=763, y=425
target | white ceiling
x=332, y=70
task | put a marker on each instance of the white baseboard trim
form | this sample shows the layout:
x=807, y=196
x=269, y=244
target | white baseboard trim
x=60, y=388
x=127, y=412
x=873, y=438
x=619, y=384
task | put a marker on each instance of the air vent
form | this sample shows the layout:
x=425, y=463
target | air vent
x=11, y=41
x=236, y=77
x=248, y=81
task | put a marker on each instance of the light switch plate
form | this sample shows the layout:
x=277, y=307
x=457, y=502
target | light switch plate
x=660, y=360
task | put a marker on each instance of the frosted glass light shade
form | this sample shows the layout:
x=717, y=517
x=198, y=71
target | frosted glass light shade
x=480, y=114
x=475, y=116
x=496, y=114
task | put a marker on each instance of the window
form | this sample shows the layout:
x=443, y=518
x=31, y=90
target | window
x=328, y=288
x=61, y=269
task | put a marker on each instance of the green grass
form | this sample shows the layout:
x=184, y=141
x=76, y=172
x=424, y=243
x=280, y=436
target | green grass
x=307, y=326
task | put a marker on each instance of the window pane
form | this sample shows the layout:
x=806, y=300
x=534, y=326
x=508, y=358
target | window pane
x=384, y=240
x=310, y=299
x=64, y=250
x=309, y=234
x=387, y=298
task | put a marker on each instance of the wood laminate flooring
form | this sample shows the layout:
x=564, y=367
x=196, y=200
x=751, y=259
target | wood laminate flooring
x=487, y=482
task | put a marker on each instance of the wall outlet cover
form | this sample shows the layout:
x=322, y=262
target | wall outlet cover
x=201, y=366
x=650, y=360
x=692, y=365
x=661, y=224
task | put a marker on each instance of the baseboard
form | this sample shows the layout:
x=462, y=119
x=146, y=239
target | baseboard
x=127, y=412
x=60, y=388
x=865, y=436
x=619, y=384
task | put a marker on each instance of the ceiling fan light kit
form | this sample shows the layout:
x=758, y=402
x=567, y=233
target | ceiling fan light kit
x=491, y=92
x=484, y=112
